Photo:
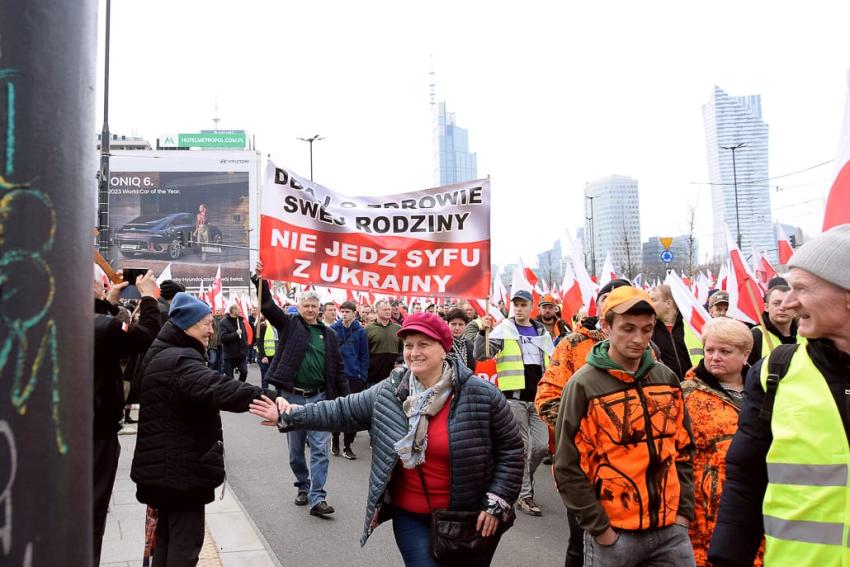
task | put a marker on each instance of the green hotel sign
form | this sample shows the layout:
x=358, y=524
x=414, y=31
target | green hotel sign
x=236, y=140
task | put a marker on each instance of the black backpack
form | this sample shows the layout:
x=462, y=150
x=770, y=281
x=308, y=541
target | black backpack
x=777, y=362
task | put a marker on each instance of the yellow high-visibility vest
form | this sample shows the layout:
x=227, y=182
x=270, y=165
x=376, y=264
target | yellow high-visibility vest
x=806, y=506
x=765, y=348
x=510, y=368
x=694, y=346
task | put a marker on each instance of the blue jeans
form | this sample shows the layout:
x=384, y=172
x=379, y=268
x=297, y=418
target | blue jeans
x=413, y=538
x=318, y=442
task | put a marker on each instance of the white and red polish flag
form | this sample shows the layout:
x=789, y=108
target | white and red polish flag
x=434, y=242
x=784, y=245
x=723, y=275
x=202, y=295
x=499, y=292
x=607, y=274
x=838, y=203
x=571, y=298
x=764, y=270
x=693, y=312
x=216, y=299
x=164, y=275
x=745, y=300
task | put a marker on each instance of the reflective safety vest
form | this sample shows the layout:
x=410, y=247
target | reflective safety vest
x=269, y=340
x=765, y=348
x=807, y=503
x=510, y=368
x=694, y=345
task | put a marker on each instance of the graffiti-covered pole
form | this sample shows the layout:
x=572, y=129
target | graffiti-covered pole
x=47, y=103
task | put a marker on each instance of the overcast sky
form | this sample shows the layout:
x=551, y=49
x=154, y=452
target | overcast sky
x=553, y=95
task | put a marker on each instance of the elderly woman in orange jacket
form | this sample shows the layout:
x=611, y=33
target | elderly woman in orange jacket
x=713, y=395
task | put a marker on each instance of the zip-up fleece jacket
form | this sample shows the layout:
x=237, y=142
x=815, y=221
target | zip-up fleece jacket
x=624, y=454
x=354, y=348
x=570, y=355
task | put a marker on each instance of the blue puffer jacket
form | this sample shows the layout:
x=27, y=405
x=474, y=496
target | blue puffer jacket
x=485, y=444
x=354, y=347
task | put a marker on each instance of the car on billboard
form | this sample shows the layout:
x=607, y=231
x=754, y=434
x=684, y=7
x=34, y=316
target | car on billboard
x=169, y=234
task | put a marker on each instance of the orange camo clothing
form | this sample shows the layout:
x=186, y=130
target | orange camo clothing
x=569, y=356
x=714, y=421
x=624, y=449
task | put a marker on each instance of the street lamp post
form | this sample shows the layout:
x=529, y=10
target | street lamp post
x=592, y=238
x=103, y=176
x=310, y=141
x=735, y=183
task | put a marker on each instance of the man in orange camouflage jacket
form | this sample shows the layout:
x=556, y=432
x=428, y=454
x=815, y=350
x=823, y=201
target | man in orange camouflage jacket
x=624, y=459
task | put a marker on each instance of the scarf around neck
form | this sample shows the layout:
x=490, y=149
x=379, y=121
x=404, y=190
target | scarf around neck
x=458, y=351
x=421, y=404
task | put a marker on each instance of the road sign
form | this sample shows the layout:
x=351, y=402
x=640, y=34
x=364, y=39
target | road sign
x=667, y=256
x=666, y=241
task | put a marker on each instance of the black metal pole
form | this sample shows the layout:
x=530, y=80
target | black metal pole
x=47, y=153
x=311, y=159
x=103, y=175
x=592, y=240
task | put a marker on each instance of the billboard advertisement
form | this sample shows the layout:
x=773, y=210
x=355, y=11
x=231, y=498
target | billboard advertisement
x=190, y=209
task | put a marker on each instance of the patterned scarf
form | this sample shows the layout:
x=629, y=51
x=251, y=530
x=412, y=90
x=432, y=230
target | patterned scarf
x=458, y=351
x=420, y=405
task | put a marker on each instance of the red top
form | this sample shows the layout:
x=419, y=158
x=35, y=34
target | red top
x=407, y=491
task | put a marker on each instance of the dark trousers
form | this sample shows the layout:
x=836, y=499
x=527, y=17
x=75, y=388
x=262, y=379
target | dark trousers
x=105, y=461
x=230, y=364
x=348, y=438
x=575, y=547
x=263, y=369
x=179, y=538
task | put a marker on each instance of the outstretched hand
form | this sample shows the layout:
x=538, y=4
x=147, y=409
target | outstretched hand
x=266, y=409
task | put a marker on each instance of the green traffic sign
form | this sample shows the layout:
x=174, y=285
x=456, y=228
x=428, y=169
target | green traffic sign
x=236, y=140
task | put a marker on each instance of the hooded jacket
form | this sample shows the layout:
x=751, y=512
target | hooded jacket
x=624, y=448
x=714, y=419
x=179, y=458
x=570, y=355
x=354, y=348
x=486, y=452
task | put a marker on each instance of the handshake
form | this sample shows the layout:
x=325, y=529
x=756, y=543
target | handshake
x=270, y=410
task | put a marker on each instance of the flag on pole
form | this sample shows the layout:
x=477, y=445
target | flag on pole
x=744, y=304
x=723, y=276
x=607, y=274
x=784, y=245
x=165, y=275
x=571, y=299
x=693, y=312
x=764, y=269
x=249, y=332
x=216, y=299
x=499, y=292
x=838, y=204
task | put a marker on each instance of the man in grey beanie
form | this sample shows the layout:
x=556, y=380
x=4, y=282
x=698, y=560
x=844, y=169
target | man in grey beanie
x=787, y=468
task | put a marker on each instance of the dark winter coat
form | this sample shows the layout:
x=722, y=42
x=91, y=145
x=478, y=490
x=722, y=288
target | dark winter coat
x=293, y=338
x=111, y=344
x=739, y=527
x=674, y=352
x=354, y=348
x=486, y=451
x=233, y=346
x=179, y=458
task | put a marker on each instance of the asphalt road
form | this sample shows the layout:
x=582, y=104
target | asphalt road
x=258, y=471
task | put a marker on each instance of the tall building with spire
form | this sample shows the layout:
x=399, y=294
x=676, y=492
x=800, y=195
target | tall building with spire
x=736, y=121
x=453, y=162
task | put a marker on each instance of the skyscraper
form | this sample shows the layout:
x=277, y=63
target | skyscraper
x=612, y=208
x=730, y=121
x=453, y=162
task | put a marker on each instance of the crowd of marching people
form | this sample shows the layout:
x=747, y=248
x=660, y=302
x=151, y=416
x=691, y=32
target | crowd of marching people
x=671, y=443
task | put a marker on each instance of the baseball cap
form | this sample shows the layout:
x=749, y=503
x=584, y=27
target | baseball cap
x=521, y=294
x=718, y=297
x=624, y=298
x=548, y=299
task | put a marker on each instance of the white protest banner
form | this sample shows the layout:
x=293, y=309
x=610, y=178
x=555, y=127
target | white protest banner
x=433, y=243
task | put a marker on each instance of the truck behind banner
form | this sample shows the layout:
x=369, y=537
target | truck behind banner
x=189, y=211
x=432, y=243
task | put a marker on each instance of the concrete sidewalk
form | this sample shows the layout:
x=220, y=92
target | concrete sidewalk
x=232, y=539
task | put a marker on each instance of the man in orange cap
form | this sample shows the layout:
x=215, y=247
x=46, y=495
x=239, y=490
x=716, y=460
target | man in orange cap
x=624, y=449
x=549, y=316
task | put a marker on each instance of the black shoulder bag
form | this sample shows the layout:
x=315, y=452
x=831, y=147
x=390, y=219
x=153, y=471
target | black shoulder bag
x=453, y=534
